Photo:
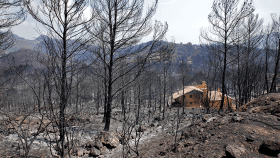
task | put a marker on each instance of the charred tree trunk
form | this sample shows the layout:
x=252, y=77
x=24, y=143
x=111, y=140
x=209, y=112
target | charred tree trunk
x=273, y=83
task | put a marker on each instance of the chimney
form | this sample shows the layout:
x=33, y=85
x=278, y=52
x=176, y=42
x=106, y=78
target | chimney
x=218, y=89
x=203, y=83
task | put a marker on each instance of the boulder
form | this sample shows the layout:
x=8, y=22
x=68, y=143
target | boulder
x=272, y=145
x=141, y=129
x=86, y=152
x=108, y=139
x=255, y=109
x=270, y=148
x=189, y=142
x=235, y=150
x=250, y=138
x=104, y=151
x=224, y=120
x=44, y=152
x=98, y=145
x=208, y=118
x=1, y=137
x=10, y=126
x=94, y=152
x=80, y=151
x=157, y=118
x=89, y=144
x=236, y=118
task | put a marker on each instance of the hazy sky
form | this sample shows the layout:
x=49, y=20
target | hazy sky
x=184, y=17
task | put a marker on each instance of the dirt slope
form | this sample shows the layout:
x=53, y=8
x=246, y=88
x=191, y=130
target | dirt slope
x=253, y=131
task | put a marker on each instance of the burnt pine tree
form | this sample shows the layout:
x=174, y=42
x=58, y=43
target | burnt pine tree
x=118, y=27
x=166, y=66
x=267, y=50
x=64, y=21
x=11, y=13
x=223, y=19
x=276, y=36
x=245, y=58
x=252, y=36
x=184, y=70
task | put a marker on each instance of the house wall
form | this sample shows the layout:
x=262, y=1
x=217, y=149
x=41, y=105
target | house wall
x=194, y=98
x=191, y=100
x=203, y=87
x=217, y=103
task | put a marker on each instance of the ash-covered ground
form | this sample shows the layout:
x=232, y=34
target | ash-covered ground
x=253, y=130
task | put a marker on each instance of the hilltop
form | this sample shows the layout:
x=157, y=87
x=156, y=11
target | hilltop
x=21, y=57
x=193, y=55
x=22, y=43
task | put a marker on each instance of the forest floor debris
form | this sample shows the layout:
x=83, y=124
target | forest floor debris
x=244, y=133
x=251, y=131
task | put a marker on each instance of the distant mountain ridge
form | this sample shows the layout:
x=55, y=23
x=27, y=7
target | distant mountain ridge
x=22, y=57
x=190, y=54
x=22, y=43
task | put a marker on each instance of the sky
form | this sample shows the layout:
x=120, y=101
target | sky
x=185, y=18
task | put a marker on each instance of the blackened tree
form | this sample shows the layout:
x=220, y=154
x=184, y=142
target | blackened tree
x=224, y=18
x=11, y=13
x=118, y=26
x=64, y=45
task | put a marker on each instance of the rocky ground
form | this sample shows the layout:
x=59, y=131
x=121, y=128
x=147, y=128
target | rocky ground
x=251, y=131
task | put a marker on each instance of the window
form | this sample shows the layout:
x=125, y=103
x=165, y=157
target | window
x=190, y=96
x=190, y=103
